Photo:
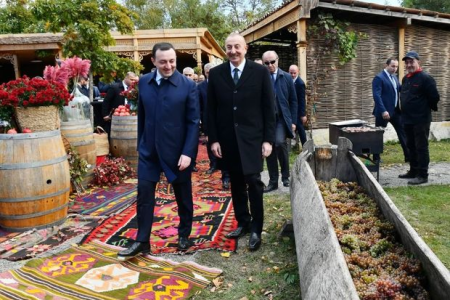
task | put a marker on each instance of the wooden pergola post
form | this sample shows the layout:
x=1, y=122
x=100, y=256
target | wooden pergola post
x=301, y=47
x=401, y=52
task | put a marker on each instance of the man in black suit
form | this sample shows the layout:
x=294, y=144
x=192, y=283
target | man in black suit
x=241, y=131
x=113, y=98
x=286, y=116
x=202, y=94
x=300, y=90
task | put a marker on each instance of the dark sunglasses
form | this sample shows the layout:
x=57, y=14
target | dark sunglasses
x=272, y=62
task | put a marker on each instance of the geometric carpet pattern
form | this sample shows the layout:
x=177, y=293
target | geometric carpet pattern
x=213, y=216
x=104, y=201
x=92, y=272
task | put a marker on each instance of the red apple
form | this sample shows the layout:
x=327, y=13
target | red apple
x=121, y=114
x=133, y=114
x=12, y=131
x=26, y=130
x=116, y=114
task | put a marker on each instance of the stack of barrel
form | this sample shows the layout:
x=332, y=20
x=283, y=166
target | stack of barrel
x=124, y=139
x=34, y=180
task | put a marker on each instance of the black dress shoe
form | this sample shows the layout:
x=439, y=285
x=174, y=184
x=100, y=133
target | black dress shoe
x=286, y=182
x=254, y=242
x=408, y=175
x=226, y=184
x=133, y=250
x=240, y=231
x=418, y=180
x=270, y=187
x=210, y=171
x=183, y=243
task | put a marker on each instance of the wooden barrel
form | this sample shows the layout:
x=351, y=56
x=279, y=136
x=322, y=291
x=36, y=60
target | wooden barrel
x=81, y=136
x=124, y=139
x=34, y=180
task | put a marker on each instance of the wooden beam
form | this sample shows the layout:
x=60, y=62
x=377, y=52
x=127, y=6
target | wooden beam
x=272, y=18
x=16, y=66
x=301, y=48
x=401, y=52
x=384, y=13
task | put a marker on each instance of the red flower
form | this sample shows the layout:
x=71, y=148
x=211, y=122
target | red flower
x=25, y=92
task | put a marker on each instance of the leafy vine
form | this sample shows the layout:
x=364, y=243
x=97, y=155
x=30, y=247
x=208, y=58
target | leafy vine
x=334, y=38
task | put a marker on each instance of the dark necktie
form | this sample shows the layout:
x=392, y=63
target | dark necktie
x=236, y=75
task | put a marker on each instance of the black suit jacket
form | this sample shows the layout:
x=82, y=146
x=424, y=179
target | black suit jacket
x=113, y=98
x=241, y=117
x=300, y=90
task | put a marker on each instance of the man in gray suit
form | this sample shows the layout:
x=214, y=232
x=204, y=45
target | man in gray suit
x=286, y=115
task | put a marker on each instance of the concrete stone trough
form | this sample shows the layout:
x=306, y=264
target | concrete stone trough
x=322, y=267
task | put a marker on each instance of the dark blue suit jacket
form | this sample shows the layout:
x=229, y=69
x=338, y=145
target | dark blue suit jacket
x=202, y=95
x=168, y=120
x=300, y=89
x=287, y=100
x=384, y=94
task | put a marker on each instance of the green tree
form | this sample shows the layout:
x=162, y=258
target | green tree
x=15, y=17
x=155, y=14
x=433, y=5
x=243, y=12
x=86, y=25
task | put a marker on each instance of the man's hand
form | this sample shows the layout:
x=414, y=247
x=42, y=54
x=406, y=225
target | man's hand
x=184, y=162
x=266, y=149
x=107, y=118
x=304, y=119
x=216, y=150
x=386, y=116
x=293, y=127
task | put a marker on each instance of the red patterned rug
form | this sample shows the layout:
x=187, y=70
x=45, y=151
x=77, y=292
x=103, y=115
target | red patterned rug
x=213, y=217
x=92, y=272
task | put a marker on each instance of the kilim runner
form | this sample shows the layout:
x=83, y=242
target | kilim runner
x=92, y=272
x=213, y=217
x=24, y=245
x=104, y=201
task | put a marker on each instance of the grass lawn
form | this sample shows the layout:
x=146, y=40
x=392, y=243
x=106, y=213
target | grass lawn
x=270, y=272
x=392, y=152
x=427, y=209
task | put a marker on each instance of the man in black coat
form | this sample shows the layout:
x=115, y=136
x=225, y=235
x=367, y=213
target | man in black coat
x=241, y=131
x=419, y=95
x=113, y=98
x=300, y=90
x=286, y=116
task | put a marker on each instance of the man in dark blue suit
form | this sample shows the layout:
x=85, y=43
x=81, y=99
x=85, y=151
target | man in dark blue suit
x=202, y=94
x=168, y=121
x=286, y=115
x=300, y=90
x=386, y=89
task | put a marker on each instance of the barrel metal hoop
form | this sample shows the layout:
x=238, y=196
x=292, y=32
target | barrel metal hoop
x=23, y=229
x=28, y=136
x=123, y=138
x=79, y=135
x=28, y=216
x=125, y=129
x=36, y=164
x=34, y=198
x=82, y=143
